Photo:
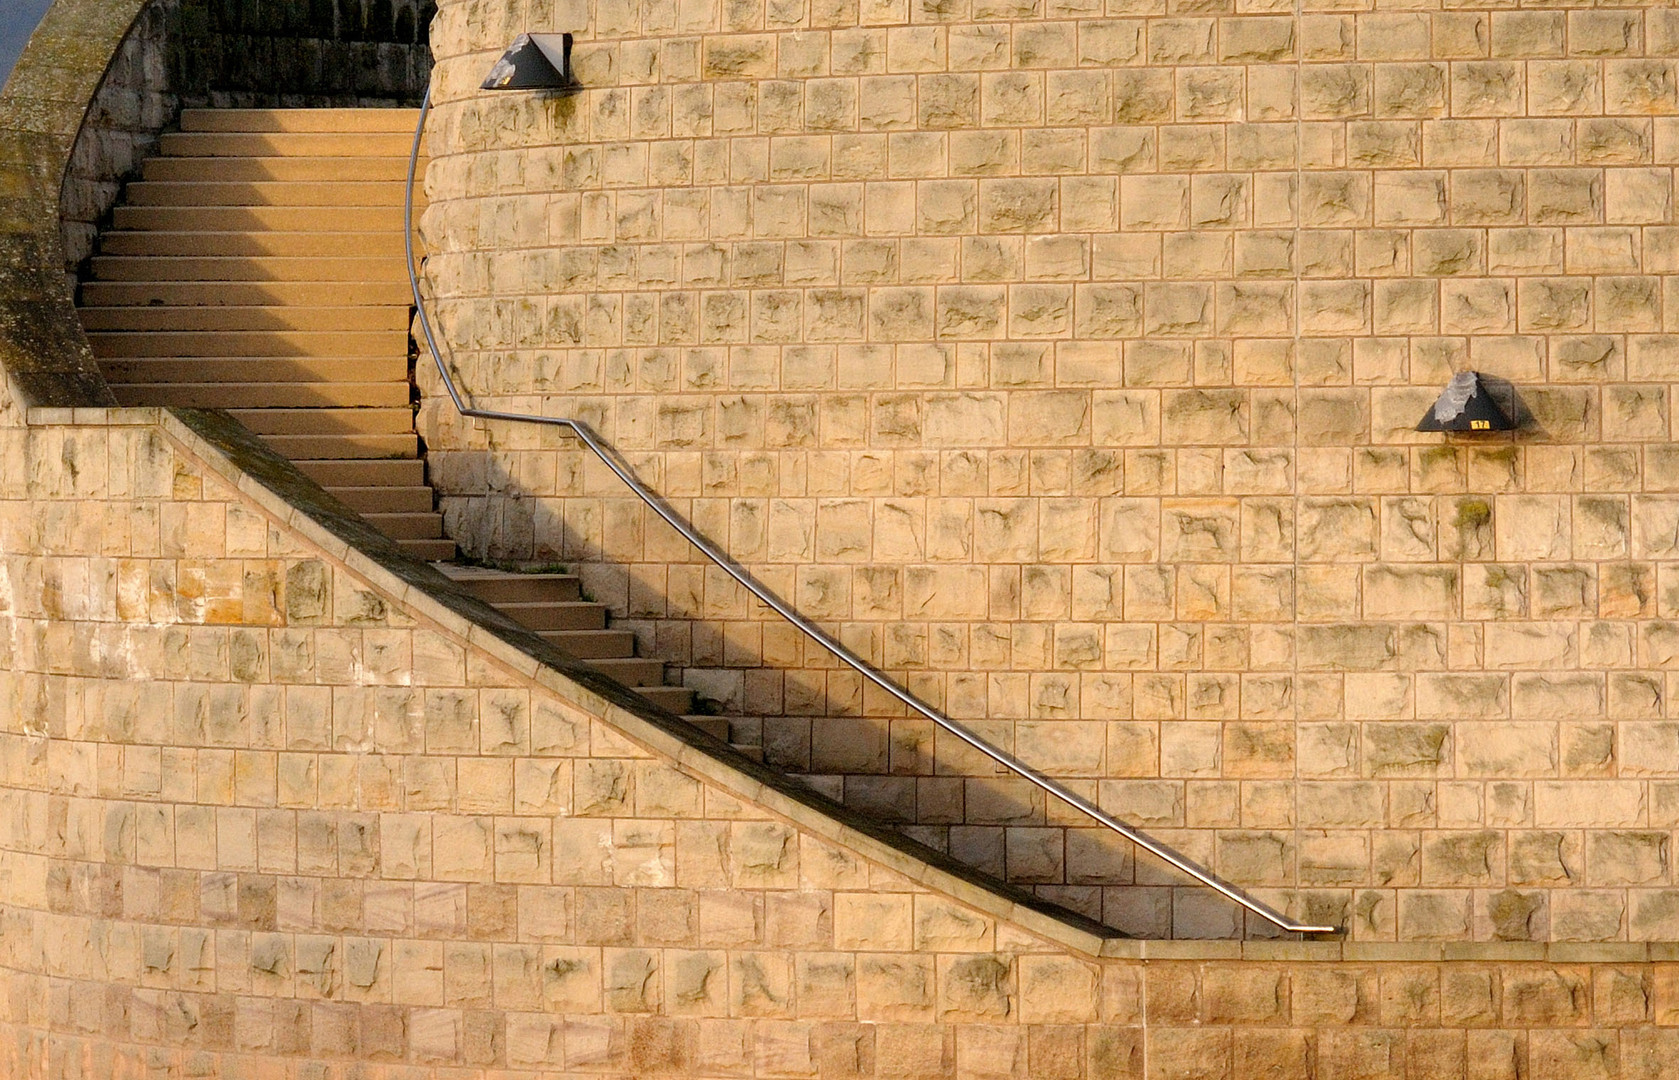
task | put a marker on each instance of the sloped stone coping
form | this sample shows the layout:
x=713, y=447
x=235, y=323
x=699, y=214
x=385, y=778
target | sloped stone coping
x=42, y=107
x=227, y=449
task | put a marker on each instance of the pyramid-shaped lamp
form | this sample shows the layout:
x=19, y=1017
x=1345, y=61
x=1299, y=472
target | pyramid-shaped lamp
x=1465, y=405
x=535, y=62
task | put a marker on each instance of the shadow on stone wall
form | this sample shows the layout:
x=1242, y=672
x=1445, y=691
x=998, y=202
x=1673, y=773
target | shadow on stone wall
x=814, y=720
x=301, y=53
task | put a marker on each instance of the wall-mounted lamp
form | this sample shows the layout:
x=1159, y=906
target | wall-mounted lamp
x=1465, y=405
x=535, y=62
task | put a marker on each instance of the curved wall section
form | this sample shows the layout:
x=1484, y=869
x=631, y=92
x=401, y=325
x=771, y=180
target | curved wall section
x=1065, y=358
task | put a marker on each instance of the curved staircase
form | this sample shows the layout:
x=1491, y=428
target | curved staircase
x=257, y=266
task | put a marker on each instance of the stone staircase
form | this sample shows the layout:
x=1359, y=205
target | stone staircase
x=257, y=266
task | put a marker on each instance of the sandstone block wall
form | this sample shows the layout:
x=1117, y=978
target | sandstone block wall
x=259, y=813
x=1063, y=357
x=267, y=814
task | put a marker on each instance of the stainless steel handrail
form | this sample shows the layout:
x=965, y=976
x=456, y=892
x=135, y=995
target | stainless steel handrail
x=610, y=458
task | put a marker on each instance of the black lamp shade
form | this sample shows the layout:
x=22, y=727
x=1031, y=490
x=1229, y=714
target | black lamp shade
x=1465, y=405
x=535, y=62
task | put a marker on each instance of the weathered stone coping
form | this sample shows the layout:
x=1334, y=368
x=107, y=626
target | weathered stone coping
x=1403, y=952
x=226, y=448
x=42, y=107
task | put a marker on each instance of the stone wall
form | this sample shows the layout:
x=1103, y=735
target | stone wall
x=270, y=811
x=240, y=53
x=1063, y=358
x=137, y=99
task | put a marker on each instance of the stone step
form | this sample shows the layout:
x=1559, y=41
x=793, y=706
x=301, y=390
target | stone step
x=385, y=500
x=310, y=245
x=301, y=448
x=296, y=395
x=247, y=268
x=185, y=343
x=353, y=421
x=425, y=525
x=245, y=318
x=556, y=614
x=715, y=726
x=308, y=144
x=428, y=550
x=265, y=193
x=335, y=120
x=632, y=670
x=336, y=219
x=676, y=699
x=247, y=369
x=290, y=169
x=511, y=588
x=591, y=644
x=361, y=473
x=248, y=293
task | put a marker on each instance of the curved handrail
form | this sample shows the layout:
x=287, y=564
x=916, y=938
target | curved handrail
x=610, y=458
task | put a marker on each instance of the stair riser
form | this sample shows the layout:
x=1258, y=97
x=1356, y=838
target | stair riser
x=330, y=120
x=340, y=448
x=244, y=218
x=291, y=245
x=670, y=698
x=272, y=268
x=354, y=421
x=246, y=294
x=252, y=343
x=512, y=590
x=147, y=193
x=276, y=395
x=313, y=144
x=578, y=616
x=352, y=474
x=424, y=526
x=590, y=645
x=429, y=550
x=267, y=370
x=353, y=170
x=632, y=672
x=381, y=500
x=246, y=319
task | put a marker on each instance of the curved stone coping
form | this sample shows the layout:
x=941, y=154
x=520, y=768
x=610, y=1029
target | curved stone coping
x=1402, y=952
x=226, y=448
x=42, y=107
